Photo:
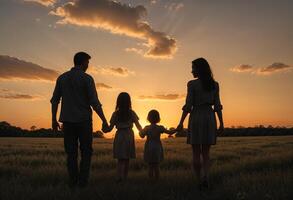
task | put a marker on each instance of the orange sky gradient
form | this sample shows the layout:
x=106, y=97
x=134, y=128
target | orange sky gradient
x=146, y=48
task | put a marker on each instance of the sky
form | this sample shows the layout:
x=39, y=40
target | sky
x=145, y=47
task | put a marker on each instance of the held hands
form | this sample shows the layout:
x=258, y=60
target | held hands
x=55, y=126
x=141, y=134
x=105, y=127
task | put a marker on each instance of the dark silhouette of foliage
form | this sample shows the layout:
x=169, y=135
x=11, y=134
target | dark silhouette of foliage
x=7, y=130
x=259, y=130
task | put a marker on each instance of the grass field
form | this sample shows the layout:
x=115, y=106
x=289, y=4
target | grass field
x=242, y=168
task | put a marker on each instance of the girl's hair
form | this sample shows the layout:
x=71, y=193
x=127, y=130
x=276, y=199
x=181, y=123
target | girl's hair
x=204, y=73
x=123, y=107
x=154, y=116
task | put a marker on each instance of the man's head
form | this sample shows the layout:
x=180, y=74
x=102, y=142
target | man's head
x=81, y=59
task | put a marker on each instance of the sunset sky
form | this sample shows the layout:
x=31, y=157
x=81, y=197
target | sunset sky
x=145, y=47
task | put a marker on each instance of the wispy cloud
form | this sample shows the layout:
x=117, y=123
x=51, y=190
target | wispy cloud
x=135, y=50
x=242, y=68
x=103, y=86
x=14, y=68
x=164, y=97
x=43, y=2
x=115, y=71
x=153, y=1
x=174, y=6
x=267, y=70
x=9, y=94
x=117, y=18
x=274, y=68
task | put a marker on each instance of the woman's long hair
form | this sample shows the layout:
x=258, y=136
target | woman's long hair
x=123, y=107
x=204, y=73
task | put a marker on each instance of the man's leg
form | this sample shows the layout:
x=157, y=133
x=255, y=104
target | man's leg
x=71, y=149
x=86, y=140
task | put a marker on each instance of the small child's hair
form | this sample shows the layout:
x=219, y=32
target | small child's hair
x=154, y=116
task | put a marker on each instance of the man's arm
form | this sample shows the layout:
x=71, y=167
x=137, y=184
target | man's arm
x=95, y=102
x=55, y=124
x=99, y=111
x=54, y=105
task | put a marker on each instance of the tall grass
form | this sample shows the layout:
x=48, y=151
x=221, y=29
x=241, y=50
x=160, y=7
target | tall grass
x=242, y=168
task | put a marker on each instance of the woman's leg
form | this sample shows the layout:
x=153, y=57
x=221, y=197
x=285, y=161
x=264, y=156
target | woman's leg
x=126, y=167
x=151, y=171
x=156, y=170
x=120, y=170
x=206, y=160
x=196, y=151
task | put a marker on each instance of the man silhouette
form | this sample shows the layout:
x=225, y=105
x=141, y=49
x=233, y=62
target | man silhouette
x=78, y=93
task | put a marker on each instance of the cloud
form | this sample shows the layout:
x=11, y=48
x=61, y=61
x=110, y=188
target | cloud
x=9, y=94
x=274, y=68
x=115, y=71
x=103, y=86
x=14, y=68
x=166, y=97
x=174, y=6
x=135, y=50
x=117, y=18
x=268, y=70
x=242, y=68
x=44, y=2
x=153, y=1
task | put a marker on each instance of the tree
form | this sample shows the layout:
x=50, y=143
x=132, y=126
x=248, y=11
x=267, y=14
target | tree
x=33, y=128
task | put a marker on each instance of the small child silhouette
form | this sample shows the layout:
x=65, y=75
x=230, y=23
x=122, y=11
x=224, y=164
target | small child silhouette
x=153, y=149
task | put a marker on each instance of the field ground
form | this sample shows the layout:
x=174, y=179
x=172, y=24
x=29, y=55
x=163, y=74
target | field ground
x=242, y=168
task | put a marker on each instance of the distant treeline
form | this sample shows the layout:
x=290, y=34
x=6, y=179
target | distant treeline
x=7, y=130
x=249, y=131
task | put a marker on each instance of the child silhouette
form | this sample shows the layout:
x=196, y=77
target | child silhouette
x=124, y=145
x=153, y=149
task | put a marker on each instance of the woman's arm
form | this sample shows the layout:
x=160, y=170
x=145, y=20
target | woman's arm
x=218, y=109
x=220, y=117
x=183, y=116
x=188, y=105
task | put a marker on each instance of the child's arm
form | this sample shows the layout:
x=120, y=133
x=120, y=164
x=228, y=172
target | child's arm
x=170, y=131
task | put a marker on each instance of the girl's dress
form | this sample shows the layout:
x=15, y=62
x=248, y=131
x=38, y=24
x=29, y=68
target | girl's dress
x=124, y=145
x=153, y=149
x=201, y=105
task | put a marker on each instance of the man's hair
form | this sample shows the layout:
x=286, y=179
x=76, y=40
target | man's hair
x=80, y=57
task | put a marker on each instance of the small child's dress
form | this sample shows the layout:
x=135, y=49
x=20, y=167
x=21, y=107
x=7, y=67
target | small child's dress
x=153, y=149
x=124, y=144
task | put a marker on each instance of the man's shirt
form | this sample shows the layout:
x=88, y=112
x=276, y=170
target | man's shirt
x=77, y=92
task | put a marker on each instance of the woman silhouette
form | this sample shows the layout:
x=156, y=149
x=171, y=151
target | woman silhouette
x=202, y=101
